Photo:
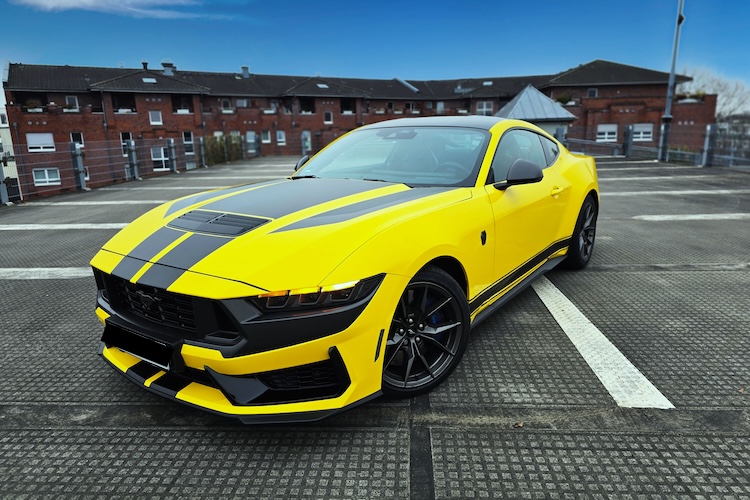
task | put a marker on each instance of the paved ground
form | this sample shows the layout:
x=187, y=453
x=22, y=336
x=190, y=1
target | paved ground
x=528, y=414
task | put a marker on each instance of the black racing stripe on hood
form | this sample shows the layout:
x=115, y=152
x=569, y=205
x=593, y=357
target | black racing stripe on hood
x=158, y=241
x=192, y=250
x=160, y=276
x=127, y=268
x=363, y=207
x=284, y=198
x=192, y=200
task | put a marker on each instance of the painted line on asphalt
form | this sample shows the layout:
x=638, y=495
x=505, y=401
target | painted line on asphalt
x=686, y=217
x=603, y=168
x=657, y=178
x=687, y=192
x=84, y=203
x=61, y=227
x=44, y=273
x=624, y=382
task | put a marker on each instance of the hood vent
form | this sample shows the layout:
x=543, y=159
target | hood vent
x=202, y=221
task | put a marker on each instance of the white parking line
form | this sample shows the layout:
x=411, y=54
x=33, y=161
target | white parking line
x=688, y=192
x=84, y=203
x=61, y=227
x=44, y=273
x=625, y=383
x=656, y=178
x=683, y=217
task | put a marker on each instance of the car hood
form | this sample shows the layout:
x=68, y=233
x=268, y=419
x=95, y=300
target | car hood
x=275, y=235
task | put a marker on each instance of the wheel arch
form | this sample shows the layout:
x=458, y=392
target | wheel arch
x=453, y=267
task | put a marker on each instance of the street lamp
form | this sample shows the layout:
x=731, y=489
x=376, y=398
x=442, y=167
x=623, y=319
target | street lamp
x=666, y=120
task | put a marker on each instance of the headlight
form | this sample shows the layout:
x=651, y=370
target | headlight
x=317, y=297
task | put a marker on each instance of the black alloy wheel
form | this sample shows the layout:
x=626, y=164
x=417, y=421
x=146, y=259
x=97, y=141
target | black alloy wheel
x=428, y=335
x=582, y=242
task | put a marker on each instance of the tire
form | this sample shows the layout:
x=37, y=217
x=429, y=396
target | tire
x=428, y=336
x=584, y=234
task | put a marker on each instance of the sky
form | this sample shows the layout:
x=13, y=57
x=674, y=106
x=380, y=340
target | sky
x=417, y=39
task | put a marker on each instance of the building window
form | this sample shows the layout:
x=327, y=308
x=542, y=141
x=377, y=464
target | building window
x=38, y=142
x=77, y=137
x=484, y=108
x=243, y=103
x=606, y=132
x=46, y=177
x=328, y=117
x=125, y=137
x=187, y=140
x=71, y=102
x=160, y=156
x=154, y=118
x=226, y=105
x=440, y=107
x=281, y=138
x=643, y=132
x=265, y=137
x=593, y=93
x=3, y=119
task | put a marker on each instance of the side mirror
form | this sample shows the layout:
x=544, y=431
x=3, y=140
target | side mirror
x=521, y=172
x=301, y=162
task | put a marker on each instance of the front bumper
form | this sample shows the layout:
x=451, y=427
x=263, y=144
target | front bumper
x=264, y=370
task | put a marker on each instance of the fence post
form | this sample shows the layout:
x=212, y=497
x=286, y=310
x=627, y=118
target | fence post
x=243, y=148
x=627, y=142
x=202, y=152
x=227, y=143
x=709, y=146
x=172, y=156
x=79, y=171
x=4, y=197
x=560, y=135
x=133, y=161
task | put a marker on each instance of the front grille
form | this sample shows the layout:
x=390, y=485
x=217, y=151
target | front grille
x=313, y=376
x=155, y=304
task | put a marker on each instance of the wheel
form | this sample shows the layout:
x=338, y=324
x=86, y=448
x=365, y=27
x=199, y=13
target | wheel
x=428, y=336
x=582, y=242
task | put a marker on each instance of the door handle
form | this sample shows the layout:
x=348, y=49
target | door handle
x=556, y=191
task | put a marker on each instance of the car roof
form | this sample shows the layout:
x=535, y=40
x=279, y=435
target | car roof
x=472, y=121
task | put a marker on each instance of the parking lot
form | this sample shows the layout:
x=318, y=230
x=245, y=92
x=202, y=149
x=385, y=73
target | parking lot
x=535, y=410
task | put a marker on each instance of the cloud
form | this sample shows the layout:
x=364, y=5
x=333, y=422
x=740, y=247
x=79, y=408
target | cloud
x=158, y=9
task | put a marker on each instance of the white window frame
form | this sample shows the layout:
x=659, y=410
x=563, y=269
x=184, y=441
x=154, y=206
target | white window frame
x=124, y=142
x=281, y=137
x=643, y=132
x=188, y=142
x=73, y=140
x=328, y=117
x=164, y=158
x=485, y=108
x=606, y=132
x=47, y=180
x=42, y=142
x=592, y=92
x=71, y=103
x=152, y=117
x=265, y=137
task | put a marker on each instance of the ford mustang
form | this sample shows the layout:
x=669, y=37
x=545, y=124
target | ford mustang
x=361, y=274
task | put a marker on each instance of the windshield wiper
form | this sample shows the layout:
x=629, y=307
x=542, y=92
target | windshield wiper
x=295, y=177
x=376, y=180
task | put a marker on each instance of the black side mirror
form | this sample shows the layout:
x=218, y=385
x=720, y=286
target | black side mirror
x=301, y=162
x=521, y=172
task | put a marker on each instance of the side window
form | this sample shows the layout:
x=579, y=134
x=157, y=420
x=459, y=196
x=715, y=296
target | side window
x=515, y=144
x=551, y=150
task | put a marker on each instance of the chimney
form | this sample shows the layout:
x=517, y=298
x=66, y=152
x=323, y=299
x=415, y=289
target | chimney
x=145, y=64
x=245, y=71
x=168, y=67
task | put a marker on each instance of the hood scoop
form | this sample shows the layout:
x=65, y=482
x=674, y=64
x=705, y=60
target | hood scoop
x=203, y=221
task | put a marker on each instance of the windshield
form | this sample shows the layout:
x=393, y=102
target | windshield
x=416, y=156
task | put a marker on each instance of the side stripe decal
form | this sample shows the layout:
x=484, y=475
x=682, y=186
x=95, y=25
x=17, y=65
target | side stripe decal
x=516, y=274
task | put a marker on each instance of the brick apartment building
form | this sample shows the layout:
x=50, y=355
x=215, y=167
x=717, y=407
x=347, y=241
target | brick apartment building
x=49, y=107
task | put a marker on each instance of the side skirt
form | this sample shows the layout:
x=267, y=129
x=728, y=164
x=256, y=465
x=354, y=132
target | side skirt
x=520, y=287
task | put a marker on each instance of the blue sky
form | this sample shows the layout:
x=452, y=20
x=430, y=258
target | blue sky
x=429, y=39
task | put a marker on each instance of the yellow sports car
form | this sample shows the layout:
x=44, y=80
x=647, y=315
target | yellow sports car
x=361, y=274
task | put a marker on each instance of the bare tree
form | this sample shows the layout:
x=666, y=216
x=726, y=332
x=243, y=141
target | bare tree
x=733, y=96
